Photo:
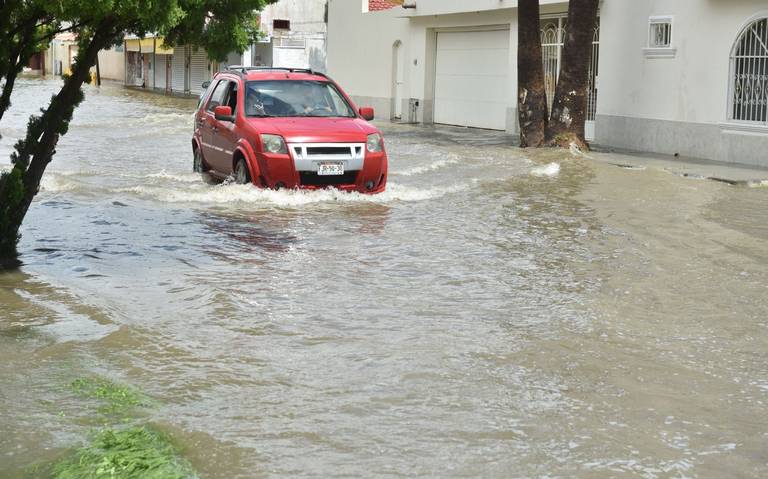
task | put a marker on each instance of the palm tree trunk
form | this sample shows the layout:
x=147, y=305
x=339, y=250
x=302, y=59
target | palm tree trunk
x=532, y=100
x=566, y=123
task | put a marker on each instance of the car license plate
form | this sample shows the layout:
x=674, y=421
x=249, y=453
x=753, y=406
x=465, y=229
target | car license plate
x=332, y=168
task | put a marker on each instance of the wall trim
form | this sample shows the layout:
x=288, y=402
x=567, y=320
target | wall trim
x=732, y=127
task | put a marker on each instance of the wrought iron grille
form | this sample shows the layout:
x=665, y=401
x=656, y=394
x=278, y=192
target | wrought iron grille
x=553, y=32
x=749, y=74
x=660, y=34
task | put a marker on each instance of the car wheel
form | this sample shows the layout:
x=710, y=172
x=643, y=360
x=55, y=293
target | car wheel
x=198, y=164
x=242, y=177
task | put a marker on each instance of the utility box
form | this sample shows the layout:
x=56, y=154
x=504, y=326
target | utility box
x=413, y=110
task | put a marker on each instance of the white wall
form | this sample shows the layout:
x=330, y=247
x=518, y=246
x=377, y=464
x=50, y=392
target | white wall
x=665, y=105
x=360, y=52
x=677, y=104
x=307, y=16
x=693, y=85
x=307, y=19
x=447, y=7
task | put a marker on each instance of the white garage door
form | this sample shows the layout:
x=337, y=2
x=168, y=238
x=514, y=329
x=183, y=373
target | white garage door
x=472, y=79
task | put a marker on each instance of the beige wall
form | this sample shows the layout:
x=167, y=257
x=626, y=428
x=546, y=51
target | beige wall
x=112, y=64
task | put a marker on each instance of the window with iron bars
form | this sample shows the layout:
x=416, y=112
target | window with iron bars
x=660, y=32
x=749, y=75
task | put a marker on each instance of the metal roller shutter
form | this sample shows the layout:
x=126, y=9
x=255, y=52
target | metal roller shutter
x=160, y=68
x=198, y=71
x=472, y=78
x=160, y=71
x=178, y=70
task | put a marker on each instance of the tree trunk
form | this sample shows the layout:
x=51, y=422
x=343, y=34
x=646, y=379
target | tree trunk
x=18, y=58
x=37, y=149
x=532, y=97
x=566, y=123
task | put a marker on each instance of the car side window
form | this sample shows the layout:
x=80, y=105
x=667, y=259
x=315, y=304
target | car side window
x=218, y=95
x=232, y=97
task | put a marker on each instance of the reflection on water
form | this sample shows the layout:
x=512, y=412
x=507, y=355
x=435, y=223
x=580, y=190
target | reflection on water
x=496, y=312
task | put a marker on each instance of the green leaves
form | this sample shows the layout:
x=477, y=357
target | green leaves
x=136, y=452
x=116, y=398
x=218, y=26
x=11, y=194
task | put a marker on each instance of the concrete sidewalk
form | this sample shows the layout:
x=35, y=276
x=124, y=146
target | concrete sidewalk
x=689, y=167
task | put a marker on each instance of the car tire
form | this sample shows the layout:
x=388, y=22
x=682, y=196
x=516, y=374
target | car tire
x=198, y=163
x=242, y=175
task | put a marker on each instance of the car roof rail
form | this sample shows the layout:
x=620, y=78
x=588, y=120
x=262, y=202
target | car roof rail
x=244, y=70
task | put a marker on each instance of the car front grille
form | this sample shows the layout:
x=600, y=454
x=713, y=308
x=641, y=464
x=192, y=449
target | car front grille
x=311, y=178
x=344, y=152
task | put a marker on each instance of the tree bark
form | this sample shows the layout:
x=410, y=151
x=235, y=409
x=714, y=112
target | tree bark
x=532, y=97
x=37, y=149
x=566, y=123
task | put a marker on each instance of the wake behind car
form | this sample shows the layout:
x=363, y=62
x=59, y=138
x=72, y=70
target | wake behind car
x=287, y=128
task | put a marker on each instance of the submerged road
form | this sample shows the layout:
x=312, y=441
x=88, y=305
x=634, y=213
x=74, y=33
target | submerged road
x=495, y=313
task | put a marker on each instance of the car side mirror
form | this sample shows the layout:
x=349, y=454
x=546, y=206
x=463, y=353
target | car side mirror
x=223, y=113
x=367, y=113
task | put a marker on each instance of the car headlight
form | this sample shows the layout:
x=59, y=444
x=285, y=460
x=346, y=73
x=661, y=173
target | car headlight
x=374, y=144
x=273, y=144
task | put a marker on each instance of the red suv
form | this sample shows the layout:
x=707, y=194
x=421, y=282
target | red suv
x=287, y=128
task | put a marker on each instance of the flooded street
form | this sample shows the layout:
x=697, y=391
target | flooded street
x=495, y=313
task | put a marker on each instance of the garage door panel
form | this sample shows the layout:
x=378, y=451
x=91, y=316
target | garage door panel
x=475, y=61
x=471, y=113
x=462, y=87
x=472, y=78
x=474, y=40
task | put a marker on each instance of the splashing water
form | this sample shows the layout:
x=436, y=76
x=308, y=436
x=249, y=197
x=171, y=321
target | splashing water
x=551, y=169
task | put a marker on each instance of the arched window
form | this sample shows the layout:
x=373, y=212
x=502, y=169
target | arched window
x=749, y=74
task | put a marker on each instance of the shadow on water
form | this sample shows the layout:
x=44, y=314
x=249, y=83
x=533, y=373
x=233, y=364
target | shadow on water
x=277, y=231
x=246, y=232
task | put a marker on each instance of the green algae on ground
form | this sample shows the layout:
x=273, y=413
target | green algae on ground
x=136, y=452
x=117, y=398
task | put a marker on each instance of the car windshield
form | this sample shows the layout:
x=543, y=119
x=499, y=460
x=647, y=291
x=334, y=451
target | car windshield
x=282, y=98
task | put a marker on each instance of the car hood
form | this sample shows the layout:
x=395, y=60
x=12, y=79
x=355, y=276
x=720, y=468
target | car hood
x=318, y=130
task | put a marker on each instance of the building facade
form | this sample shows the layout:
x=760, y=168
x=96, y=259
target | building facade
x=182, y=70
x=667, y=76
x=295, y=35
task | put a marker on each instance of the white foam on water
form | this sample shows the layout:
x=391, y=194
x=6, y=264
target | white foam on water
x=551, y=169
x=57, y=183
x=247, y=194
x=417, y=170
x=577, y=152
x=758, y=184
x=179, y=177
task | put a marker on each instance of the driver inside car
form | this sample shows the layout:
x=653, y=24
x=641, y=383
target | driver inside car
x=316, y=104
x=254, y=106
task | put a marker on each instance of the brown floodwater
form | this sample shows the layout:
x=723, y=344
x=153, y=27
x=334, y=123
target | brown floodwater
x=495, y=313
